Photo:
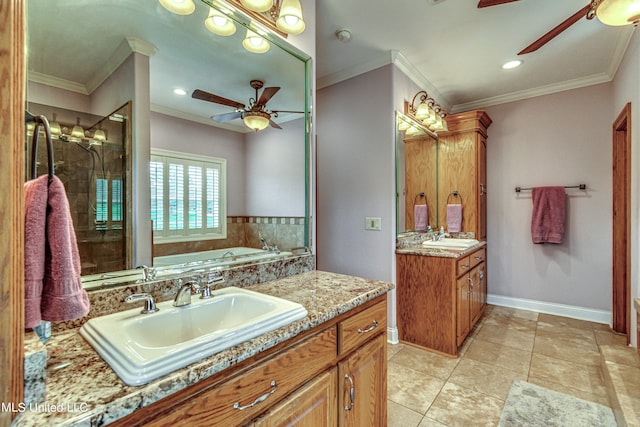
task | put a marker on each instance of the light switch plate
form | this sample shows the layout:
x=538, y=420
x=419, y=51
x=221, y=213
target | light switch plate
x=373, y=223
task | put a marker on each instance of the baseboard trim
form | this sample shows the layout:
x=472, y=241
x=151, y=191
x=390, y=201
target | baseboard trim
x=575, y=312
x=392, y=335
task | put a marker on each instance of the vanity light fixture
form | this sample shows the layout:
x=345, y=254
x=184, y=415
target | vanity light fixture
x=219, y=24
x=283, y=15
x=179, y=7
x=99, y=135
x=256, y=120
x=258, y=5
x=428, y=112
x=615, y=12
x=54, y=128
x=254, y=43
x=290, y=17
x=77, y=132
x=512, y=64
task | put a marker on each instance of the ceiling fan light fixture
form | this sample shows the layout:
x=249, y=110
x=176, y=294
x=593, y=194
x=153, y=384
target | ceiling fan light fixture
x=256, y=120
x=258, y=5
x=618, y=12
x=290, y=17
x=254, y=43
x=179, y=7
x=219, y=24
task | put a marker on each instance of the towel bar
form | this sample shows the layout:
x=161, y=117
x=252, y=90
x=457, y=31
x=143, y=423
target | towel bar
x=580, y=186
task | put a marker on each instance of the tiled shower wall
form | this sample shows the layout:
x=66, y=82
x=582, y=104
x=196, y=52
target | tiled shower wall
x=102, y=247
x=285, y=232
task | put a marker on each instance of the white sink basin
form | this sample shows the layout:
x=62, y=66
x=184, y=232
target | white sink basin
x=143, y=347
x=450, y=243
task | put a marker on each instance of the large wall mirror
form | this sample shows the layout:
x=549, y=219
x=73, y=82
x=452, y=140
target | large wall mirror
x=179, y=89
x=416, y=176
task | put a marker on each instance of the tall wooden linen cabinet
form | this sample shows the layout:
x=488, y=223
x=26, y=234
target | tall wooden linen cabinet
x=462, y=168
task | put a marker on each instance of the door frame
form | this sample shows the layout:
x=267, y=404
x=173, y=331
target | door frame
x=621, y=211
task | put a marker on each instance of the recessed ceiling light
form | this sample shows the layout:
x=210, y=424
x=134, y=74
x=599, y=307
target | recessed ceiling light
x=180, y=92
x=512, y=64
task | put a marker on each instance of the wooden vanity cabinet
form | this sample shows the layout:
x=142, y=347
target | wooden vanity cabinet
x=300, y=382
x=440, y=299
x=462, y=167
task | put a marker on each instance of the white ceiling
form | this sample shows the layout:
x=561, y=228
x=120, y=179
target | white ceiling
x=449, y=47
x=455, y=50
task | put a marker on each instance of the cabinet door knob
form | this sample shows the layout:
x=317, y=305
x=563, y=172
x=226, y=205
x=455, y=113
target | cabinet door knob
x=483, y=189
x=369, y=329
x=260, y=399
x=352, y=393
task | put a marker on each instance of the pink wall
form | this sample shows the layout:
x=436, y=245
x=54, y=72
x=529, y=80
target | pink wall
x=275, y=171
x=355, y=175
x=172, y=133
x=558, y=139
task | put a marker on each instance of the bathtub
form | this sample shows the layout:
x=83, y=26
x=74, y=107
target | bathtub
x=174, y=265
x=218, y=258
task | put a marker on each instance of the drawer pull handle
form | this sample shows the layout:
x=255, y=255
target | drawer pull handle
x=369, y=329
x=464, y=266
x=260, y=399
x=352, y=393
x=479, y=258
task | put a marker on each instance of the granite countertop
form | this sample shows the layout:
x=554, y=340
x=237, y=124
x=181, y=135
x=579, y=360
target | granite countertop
x=83, y=390
x=418, y=249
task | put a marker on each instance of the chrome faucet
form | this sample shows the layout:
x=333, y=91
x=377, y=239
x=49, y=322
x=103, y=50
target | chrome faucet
x=267, y=247
x=149, y=302
x=148, y=273
x=183, y=297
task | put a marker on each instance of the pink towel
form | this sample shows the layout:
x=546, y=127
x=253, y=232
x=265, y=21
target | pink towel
x=420, y=217
x=35, y=215
x=53, y=288
x=547, y=218
x=454, y=218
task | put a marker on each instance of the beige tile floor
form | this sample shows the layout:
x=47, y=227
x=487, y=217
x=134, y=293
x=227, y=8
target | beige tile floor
x=427, y=389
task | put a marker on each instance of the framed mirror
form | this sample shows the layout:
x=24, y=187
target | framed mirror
x=416, y=176
x=90, y=58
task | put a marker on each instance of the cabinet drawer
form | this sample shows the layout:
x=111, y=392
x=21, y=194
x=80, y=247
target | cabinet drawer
x=477, y=257
x=463, y=266
x=249, y=394
x=357, y=329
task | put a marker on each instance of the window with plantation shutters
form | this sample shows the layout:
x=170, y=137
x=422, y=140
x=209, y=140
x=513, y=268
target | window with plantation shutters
x=108, y=204
x=188, y=196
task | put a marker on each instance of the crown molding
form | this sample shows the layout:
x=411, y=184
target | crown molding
x=128, y=46
x=532, y=93
x=419, y=79
x=356, y=70
x=53, y=81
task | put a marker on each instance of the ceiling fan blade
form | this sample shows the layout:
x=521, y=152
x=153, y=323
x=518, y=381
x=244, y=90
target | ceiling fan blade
x=287, y=111
x=487, y=3
x=267, y=93
x=206, y=96
x=274, y=124
x=221, y=118
x=556, y=31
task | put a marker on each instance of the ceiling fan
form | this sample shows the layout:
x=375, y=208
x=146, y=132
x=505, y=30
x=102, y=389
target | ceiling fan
x=256, y=116
x=610, y=12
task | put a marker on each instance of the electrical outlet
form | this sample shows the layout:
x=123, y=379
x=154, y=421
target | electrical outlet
x=373, y=223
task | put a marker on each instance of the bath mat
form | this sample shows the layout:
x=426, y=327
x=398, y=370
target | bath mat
x=529, y=405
